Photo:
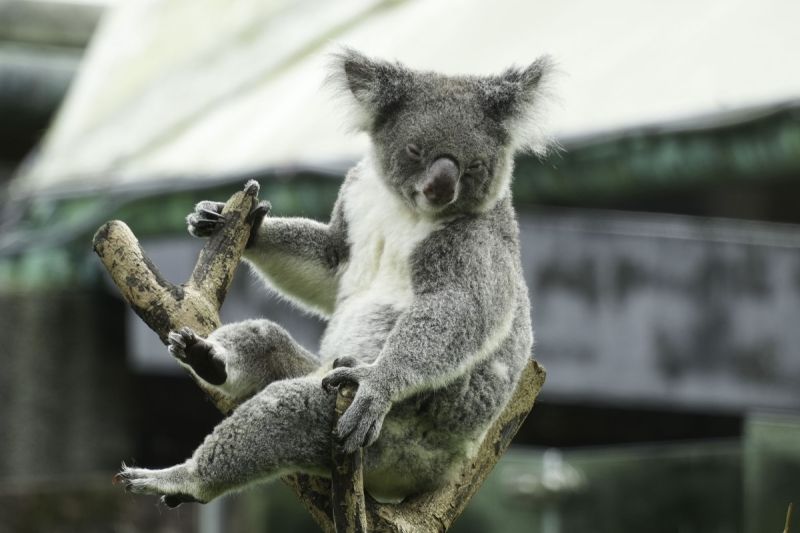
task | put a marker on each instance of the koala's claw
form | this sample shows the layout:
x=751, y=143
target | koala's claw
x=206, y=219
x=180, y=340
x=361, y=424
x=136, y=480
x=213, y=215
x=338, y=376
x=252, y=187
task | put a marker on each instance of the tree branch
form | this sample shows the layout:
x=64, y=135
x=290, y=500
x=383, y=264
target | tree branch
x=165, y=307
x=347, y=476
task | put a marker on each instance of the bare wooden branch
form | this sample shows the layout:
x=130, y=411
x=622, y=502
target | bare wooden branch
x=347, y=476
x=788, y=519
x=165, y=307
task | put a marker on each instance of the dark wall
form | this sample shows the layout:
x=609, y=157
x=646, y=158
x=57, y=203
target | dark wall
x=64, y=387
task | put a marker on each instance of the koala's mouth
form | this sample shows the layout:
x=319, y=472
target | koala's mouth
x=421, y=203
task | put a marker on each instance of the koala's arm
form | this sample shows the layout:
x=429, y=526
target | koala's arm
x=464, y=303
x=299, y=257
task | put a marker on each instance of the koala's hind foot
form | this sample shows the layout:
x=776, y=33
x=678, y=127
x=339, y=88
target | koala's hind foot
x=175, y=485
x=242, y=358
x=199, y=354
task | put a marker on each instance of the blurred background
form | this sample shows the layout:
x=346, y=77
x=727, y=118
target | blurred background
x=661, y=246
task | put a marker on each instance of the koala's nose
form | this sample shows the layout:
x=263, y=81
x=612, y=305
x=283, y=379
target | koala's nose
x=440, y=183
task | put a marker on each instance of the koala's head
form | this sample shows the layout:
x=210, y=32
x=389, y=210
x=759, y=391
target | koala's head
x=445, y=144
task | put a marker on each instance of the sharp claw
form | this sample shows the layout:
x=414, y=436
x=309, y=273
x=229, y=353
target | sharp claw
x=212, y=214
x=252, y=187
x=335, y=381
x=370, y=436
x=210, y=224
x=176, y=338
x=351, y=445
x=344, y=434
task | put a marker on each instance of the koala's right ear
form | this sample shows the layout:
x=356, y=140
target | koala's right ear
x=377, y=88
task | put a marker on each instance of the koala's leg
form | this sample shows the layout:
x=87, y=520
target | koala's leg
x=242, y=358
x=285, y=428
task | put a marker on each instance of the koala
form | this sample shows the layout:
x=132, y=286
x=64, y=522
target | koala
x=418, y=275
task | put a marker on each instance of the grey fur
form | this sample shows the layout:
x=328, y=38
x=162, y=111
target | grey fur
x=428, y=310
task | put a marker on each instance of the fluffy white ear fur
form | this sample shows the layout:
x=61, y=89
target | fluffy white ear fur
x=366, y=86
x=532, y=93
x=357, y=113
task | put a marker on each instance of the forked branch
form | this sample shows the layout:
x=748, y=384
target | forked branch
x=166, y=307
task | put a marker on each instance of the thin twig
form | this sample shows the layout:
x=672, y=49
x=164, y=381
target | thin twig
x=788, y=519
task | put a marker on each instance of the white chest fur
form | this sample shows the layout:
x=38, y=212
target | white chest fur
x=383, y=232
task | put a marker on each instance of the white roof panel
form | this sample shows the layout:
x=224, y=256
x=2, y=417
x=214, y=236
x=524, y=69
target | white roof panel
x=184, y=88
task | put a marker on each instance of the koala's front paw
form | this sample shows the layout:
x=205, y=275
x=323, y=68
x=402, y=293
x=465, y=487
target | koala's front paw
x=361, y=424
x=199, y=354
x=206, y=219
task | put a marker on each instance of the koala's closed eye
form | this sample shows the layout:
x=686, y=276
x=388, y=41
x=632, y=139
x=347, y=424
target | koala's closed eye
x=414, y=152
x=476, y=166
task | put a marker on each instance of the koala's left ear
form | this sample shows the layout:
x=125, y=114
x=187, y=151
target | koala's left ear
x=518, y=98
x=378, y=88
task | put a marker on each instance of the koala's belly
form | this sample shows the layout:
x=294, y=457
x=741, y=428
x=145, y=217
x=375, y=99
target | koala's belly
x=359, y=327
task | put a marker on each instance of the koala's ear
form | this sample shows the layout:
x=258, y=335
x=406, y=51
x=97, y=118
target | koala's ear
x=518, y=98
x=377, y=88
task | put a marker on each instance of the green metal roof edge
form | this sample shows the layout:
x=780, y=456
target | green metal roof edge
x=762, y=148
x=52, y=245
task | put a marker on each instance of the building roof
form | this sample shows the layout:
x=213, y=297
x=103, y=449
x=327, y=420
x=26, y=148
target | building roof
x=186, y=90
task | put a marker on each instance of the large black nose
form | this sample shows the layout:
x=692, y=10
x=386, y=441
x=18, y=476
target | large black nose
x=439, y=186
